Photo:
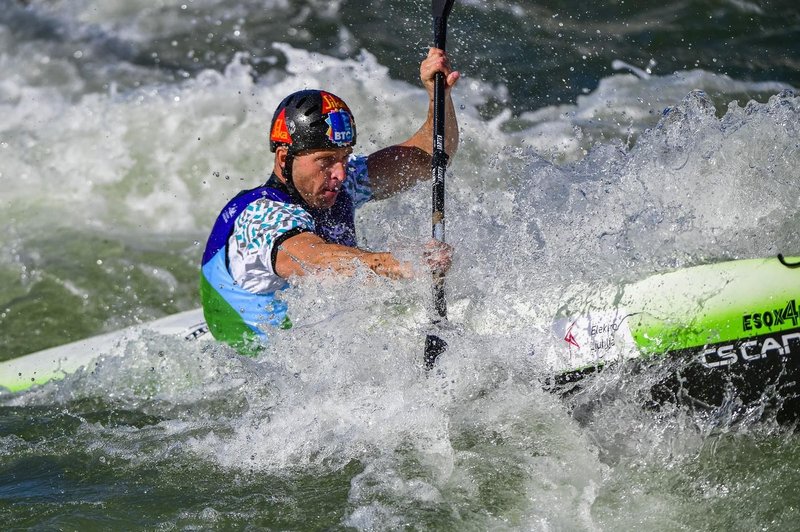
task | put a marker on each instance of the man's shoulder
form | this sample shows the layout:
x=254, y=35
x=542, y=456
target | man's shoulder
x=357, y=183
x=357, y=167
x=265, y=209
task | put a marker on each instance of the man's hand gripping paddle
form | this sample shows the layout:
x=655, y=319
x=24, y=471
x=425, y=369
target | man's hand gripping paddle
x=435, y=346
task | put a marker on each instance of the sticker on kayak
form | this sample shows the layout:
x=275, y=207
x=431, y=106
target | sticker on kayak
x=196, y=331
x=595, y=336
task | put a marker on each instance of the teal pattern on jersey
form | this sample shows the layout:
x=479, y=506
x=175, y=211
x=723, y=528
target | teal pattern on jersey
x=265, y=220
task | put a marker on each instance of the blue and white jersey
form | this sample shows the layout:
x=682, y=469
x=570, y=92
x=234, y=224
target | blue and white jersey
x=265, y=223
x=238, y=283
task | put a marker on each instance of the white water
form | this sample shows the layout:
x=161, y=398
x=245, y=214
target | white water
x=606, y=190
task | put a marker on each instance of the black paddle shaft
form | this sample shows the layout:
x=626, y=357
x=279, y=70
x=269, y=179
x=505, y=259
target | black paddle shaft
x=435, y=346
x=441, y=10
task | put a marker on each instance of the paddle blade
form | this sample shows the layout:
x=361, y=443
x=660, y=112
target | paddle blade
x=434, y=346
x=441, y=8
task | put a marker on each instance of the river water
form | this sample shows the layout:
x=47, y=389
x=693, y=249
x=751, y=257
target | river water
x=599, y=145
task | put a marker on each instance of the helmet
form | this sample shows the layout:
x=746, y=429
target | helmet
x=312, y=119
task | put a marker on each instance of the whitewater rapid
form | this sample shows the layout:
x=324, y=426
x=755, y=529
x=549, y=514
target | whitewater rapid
x=112, y=172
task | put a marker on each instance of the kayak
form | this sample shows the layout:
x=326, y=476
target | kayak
x=731, y=329
x=729, y=323
x=721, y=314
x=20, y=374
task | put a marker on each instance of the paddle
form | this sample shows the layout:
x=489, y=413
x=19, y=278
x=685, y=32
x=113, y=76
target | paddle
x=435, y=346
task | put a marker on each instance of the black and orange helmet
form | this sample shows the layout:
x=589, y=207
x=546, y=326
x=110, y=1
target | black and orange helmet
x=312, y=120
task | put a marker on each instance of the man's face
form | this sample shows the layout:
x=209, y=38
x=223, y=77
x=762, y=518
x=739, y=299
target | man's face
x=318, y=175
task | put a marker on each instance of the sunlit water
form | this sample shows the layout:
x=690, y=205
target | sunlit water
x=125, y=126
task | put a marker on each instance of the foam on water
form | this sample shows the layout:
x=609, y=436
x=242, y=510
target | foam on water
x=624, y=105
x=477, y=441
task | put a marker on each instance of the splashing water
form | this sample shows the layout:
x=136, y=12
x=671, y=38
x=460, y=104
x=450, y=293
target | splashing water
x=113, y=170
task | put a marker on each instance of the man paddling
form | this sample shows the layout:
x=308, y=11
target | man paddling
x=301, y=221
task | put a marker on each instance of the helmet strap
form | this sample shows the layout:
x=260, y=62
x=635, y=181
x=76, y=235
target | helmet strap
x=287, y=169
x=288, y=178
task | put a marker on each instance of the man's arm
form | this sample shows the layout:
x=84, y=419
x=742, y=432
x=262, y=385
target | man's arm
x=308, y=253
x=399, y=167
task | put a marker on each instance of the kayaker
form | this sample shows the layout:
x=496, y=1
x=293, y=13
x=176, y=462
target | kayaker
x=301, y=221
